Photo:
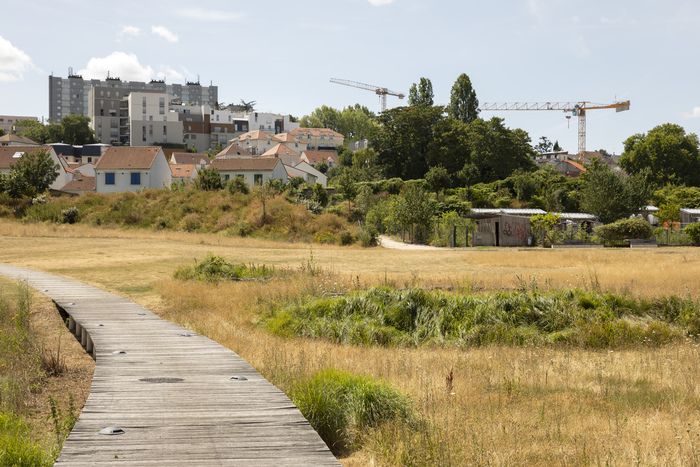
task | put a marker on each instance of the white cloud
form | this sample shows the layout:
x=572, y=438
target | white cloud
x=201, y=14
x=165, y=33
x=380, y=2
x=694, y=113
x=119, y=64
x=132, y=31
x=13, y=61
x=128, y=67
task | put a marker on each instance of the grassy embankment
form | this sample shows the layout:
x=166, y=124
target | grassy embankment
x=493, y=404
x=192, y=210
x=44, y=378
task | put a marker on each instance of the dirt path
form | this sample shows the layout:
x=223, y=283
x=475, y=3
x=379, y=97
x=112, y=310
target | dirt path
x=387, y=242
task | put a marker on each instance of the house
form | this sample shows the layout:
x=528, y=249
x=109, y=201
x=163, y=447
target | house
x=253, y=170
x=16, y=140
x=329, y=157
x=307, y=172
x=234, y=150
x=291, y=142
x=80, y=184
x=184, y=173
x=9, y=155
x=200, y=159
x=689, y=216
x=318, y=138
x=502, y=227
x=132, y=168
x=569, y=168
x=284, y=153
x=256, y=142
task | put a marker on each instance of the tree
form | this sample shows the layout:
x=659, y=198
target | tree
x=2, y=132
x=611, y=195
x=450, y=145
x=76, y=130
x=438, y=179
x=354, y=122
x=208, y=179
x=404, y=138
x=464, y=105
x=32, y=174
x=413, y=210
x=671, y=155
x=543, y=227
x=421, y=93
x=556, y=147
x=497, y=151
x=544, y=145
x=32, y=129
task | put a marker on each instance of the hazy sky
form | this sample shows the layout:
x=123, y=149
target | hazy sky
x=282, y=53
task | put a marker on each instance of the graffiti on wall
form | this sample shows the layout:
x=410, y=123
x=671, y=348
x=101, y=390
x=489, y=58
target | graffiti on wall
x=515, y=230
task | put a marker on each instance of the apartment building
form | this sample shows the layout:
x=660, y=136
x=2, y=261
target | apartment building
x=71, y=96
x=150, y=120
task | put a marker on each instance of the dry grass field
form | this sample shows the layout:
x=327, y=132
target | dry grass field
x=507, y=406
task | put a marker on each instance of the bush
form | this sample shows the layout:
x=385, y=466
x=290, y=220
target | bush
x=342, y=407
x=634, y=228
x=368, y=236
x=693, y=231
x=215, y=268
x=70, y=215
x=237, y=185
x=16, y=447
x=416, y=317
x=346, y=238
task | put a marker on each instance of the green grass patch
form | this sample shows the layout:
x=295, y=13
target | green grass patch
x=343, y=407
x=16, y=447
x=215, y=268
x=414, y=317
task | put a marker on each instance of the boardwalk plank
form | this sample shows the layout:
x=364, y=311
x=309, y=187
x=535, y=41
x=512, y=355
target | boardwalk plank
x=204, y=418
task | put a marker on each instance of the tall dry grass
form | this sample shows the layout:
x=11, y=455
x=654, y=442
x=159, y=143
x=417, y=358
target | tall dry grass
x=506, y=406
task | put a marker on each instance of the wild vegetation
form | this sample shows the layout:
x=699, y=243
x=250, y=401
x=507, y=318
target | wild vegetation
x=37, y=389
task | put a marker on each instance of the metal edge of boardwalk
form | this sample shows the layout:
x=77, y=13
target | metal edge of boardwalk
x=162, y=395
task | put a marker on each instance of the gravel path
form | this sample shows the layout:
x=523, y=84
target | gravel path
x=387, y=242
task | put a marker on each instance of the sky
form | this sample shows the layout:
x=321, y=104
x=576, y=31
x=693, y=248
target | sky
x=282, y=54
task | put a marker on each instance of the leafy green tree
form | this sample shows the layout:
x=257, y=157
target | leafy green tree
x=32, y=174
x=2, y=132
x=321, y=117
x=354, y=122
x=345, y=183
x=404, y=138
x=497, y=151
x=414, y=210
x=32, y=129
x=438, y=179
x=421, y=93
x=612, y=195
x=671, y=155
x=208, y=179
x=463, y=105
x=76, y=130
x=544, y=227
x=544, y=145
x=450, y=145
x=556, y=147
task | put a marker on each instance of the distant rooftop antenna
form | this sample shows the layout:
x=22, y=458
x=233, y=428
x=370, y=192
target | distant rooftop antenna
x=107, y=74
x=70, y=71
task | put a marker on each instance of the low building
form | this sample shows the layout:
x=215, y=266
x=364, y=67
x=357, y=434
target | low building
x=502, y=226
x=318, y=138
x=184, y=173
x=256, y=142
x=10, y=155
x=689, y=216
x=284, y=153
x=315, y=158
x=80, y=184
x=200, y=159
x=253, y=170
x=308, y=173
x=233, y=150
x=16, y=140
x=132, y=168
x=569, y=168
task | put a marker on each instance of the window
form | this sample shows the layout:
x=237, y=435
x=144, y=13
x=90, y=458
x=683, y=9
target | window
x=258, y=179
x=227, y=176
x=135, y=178
x=109, y=178
x=165, y=130
x=143, y=133
x=161, y=105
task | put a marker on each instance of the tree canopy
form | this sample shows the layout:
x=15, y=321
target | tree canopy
x=354, y=122
x=32, y=174
x=463, y=105
x=73, y=129
x=421, y=93
x=667, y=152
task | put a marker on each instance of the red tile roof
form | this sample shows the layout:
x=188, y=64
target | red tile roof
x=128, y=157
x=316, y=157
x=79, y=184
x=182, y=170
x=245, y=164
x=7, y=154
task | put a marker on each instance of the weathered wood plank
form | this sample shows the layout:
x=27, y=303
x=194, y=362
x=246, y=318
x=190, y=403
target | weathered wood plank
x=197, y=416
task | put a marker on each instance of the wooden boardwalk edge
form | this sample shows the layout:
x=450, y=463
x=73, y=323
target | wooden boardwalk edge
x=178, y=397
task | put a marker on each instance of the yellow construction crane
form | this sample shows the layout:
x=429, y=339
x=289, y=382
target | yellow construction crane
x=378, y=90
x=578, y=109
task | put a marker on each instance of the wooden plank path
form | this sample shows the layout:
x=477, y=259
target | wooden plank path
x=171, y=391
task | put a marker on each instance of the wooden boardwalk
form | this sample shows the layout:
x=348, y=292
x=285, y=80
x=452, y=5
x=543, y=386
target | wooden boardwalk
x=180, y=398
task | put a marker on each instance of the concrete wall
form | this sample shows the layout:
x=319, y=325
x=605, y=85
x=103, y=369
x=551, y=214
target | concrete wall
x=512, y=231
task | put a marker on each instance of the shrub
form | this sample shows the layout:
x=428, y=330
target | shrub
x=237, y=185
x=346, y=238
x=342, y=407
x=16, y=447
x=693, y=231
x=633, y=228
x=191, y=222
x=70, y=215
x=215, y=268
x=368, y=236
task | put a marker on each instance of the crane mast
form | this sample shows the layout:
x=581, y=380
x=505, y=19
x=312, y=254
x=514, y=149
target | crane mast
x=578, y=109
x=382, y=92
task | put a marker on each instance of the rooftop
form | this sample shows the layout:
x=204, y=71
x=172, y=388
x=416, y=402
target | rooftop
x=128, y=157
x=245, y=164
